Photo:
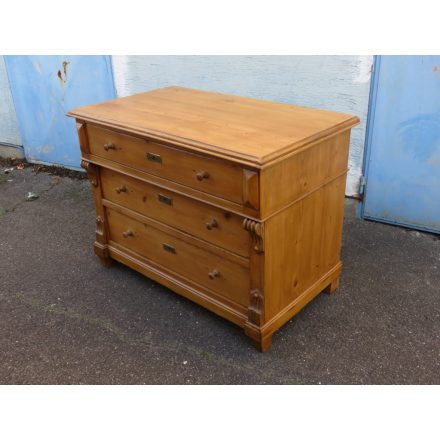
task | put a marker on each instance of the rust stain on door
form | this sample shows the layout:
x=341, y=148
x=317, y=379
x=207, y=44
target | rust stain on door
x=62, y=79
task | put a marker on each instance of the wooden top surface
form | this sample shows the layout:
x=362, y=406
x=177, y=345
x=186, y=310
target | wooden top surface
x=249, y=131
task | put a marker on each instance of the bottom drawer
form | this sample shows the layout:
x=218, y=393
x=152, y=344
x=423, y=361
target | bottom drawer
x=209, y=269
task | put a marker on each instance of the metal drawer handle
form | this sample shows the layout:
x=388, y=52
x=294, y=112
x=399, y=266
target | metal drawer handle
x=127, y=233
x=212, y=224
x=153, y=157
x=202, y=175
x=169, y=248
x=109, y=146
x=165, y=199
x=121, y=189
x=214, y=274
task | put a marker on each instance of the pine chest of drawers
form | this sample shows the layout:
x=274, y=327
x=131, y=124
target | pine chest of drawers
x=234, y=203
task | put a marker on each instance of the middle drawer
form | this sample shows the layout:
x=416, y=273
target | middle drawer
x=212, y=224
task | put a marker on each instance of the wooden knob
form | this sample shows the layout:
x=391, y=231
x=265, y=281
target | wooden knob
x=109, y=146
x=202, y=175
x=214, y=274
x=212, y=224
x=128, y=233
x=120, y=189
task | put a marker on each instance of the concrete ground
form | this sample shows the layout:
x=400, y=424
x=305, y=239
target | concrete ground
x=65, y=319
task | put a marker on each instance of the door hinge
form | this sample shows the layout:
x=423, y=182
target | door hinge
x=362, y=183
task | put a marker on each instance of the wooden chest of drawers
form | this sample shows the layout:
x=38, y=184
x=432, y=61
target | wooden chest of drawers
x=234, y=203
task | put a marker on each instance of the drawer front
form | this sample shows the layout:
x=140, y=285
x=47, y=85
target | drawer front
x=208, y=175
x=196, y=218
x=217, y=273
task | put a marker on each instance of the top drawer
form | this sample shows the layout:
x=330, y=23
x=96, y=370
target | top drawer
x=213, y=176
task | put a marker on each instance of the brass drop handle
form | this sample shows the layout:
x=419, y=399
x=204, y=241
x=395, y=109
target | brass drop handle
x=214, y=274
x=202, y=175
x=211, y=224
x=109, y=146
x=121, y=189
x=128, y=233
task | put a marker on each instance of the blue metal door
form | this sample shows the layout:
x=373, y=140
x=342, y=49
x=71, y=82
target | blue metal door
x=44, y=88
x=402, y=160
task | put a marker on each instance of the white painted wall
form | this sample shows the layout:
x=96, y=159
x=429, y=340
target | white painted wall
x=339, y=83
x=9, y=133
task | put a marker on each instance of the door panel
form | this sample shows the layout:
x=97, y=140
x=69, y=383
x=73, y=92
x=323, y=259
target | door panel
x=402, y=163
x=44, y=88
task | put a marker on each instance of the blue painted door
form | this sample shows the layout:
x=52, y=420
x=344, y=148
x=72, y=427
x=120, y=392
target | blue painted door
x=44, y=88
x=402, y=161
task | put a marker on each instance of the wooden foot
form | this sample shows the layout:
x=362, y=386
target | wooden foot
x=262, y=344
x=332, y=286
x=101, y=251
x=106, y=261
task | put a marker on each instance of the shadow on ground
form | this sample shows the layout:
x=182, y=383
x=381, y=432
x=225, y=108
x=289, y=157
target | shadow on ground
x=66, y=319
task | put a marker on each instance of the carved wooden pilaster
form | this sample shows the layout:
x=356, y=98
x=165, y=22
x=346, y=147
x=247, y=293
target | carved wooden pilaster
x=256, y=230
x=101, y=248
x=101, y=230
x=256, y=308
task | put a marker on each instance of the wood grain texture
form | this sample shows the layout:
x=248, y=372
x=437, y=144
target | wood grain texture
x=202, y=173
x=214, y=225
x=286, y=182
x=252, y=130
x=183, y=286
x=254, y=247
x=314, y=230
x=176, y=187
x=206, y=268
x=220, y=252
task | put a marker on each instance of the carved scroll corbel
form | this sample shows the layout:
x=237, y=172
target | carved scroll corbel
x=256, y=230
x=92, y=171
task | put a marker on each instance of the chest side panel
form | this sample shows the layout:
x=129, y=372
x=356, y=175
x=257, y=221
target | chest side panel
x=303, y=173
x=302, y=245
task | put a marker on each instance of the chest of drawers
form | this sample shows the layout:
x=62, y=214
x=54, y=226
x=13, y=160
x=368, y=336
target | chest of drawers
x=234, y=203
